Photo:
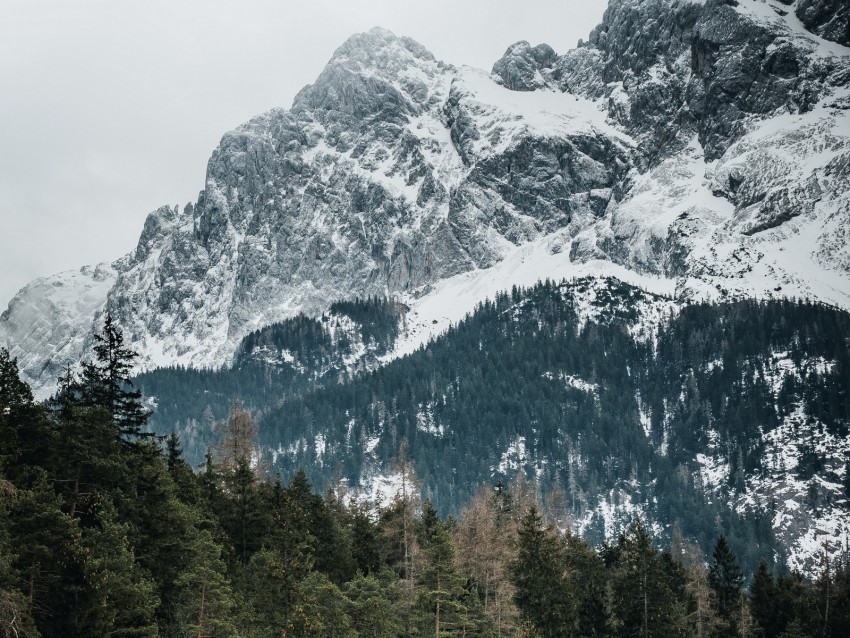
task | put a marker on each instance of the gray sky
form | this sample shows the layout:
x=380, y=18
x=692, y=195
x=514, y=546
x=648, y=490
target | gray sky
x=109, y=109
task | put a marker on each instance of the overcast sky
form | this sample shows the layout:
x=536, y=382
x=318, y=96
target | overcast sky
x=109, y=109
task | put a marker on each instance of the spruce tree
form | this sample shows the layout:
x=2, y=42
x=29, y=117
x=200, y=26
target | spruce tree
x=320, y=610
x=15, y=619
x=764, y=599
x=725, y=578
x=440, y=606
x=370, y=606
x=107, y=383
x=643, y=602
x=48, y=557
x=206, y=604
x=118, y=599
x=538, y=574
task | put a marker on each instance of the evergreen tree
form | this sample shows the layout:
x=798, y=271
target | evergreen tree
x=644, y=605
x=245, y=517
x=14, y=393
x=320, y=610
x=365, y=544
x=91, y=462
x=25, y=432
x=441, y=608
x=117, y=600
x=206, y=604
x=726, y=579
x=185, y=481
x=48, y=557
x=370, y=606
x=107, y=382
x=542, y=593
x=764, y=599
x=162, y=528
x=272, y=584
x=588, y=581
x=15, y=619
x=331, y=541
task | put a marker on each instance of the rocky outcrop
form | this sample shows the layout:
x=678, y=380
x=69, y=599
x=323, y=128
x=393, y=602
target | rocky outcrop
x=672, y=68
x=830, y=19
x=526, y=68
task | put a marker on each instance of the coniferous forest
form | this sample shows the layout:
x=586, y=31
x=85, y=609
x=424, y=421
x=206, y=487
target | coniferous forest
x=568, y=383
x=105, y=530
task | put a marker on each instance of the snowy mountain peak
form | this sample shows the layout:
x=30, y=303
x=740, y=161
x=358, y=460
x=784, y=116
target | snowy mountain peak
x=708, y=149
x=373, y=72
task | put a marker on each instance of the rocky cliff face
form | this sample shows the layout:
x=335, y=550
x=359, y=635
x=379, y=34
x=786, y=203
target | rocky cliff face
x=700, y=143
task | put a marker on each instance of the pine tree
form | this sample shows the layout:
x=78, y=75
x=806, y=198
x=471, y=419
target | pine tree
x=643, y=602
x=365, y=544
x=587, y=578
x=162, y=528
x=91, y=461
x=117, y=600
x=206, y=604
x=764, y=599
x=14, y=393
x=332, y=542
x=370, y=606
x=107, y=383
x=15, y=619
x=320, y=610
x=185, y=480
x=25, y=432
x=538, y=574
x=272, y=584
x=726, y=579
x=244, y=516
x=440, y=606
x=48, y=547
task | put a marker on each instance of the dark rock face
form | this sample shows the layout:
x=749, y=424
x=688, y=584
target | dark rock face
x=741, y=69
x=830, y=19
x=672, y=68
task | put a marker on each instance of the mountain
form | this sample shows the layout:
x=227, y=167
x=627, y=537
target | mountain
x=704, y=144
x=681, y=179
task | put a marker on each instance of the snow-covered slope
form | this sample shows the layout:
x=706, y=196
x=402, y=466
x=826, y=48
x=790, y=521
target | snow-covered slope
x=706, y=153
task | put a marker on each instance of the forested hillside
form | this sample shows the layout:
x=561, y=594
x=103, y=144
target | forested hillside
x=730, y=416
x=105, y=530
x=272, y=364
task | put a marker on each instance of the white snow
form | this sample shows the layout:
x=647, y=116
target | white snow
x=515, y=457
x=501, y=114
x=450, y=300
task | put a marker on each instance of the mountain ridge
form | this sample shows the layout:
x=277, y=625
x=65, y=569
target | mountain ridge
x=395, y=172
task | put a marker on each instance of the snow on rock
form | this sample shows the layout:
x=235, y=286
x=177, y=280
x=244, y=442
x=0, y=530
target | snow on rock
x=49, y=322
x=513, y=458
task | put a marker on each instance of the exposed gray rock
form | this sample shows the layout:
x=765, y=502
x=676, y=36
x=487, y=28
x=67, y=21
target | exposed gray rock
x=672, y=67
x=526, y=68
x=830, y=19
